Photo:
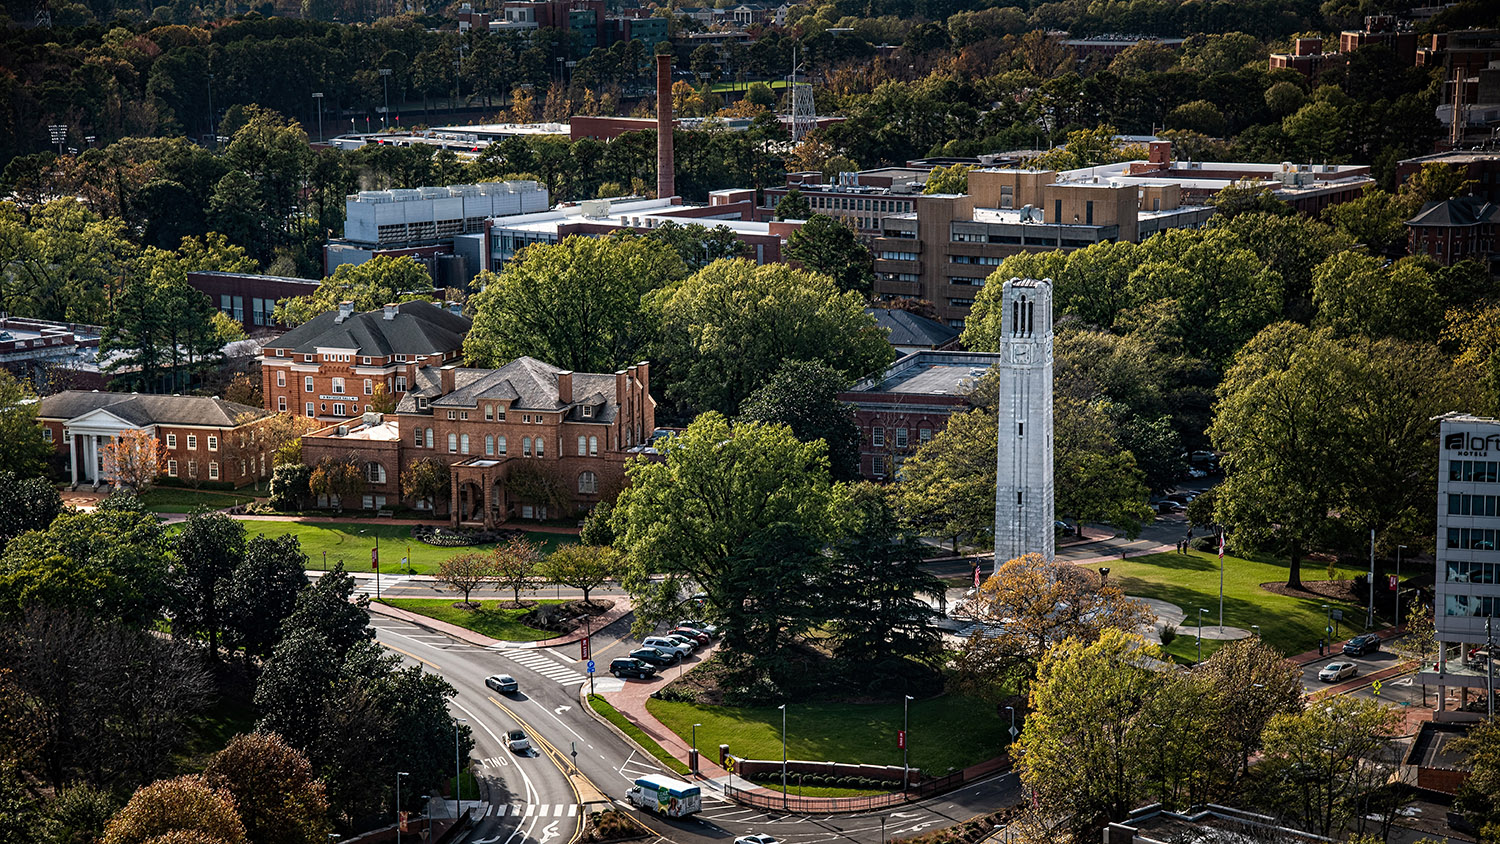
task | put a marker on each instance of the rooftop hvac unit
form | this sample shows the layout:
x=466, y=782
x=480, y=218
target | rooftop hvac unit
x=848, y=179
x=374, y=196
x=432, y=193
x=595, y=208
x=405, y=194
x=490, y=188
x=343, y=430
x=987, y=160
x=463, y=190
x=1287, y=167
x=371, y=419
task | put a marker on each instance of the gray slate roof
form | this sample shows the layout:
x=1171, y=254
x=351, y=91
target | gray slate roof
x=419, y=328
x=526, y=383
x=1463, y=211
x=145, y=409
x=909, y=329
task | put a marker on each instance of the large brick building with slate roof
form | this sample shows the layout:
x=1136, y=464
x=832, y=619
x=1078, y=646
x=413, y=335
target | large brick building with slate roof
x=525, y=441
x=205, y=437
x=328, y=367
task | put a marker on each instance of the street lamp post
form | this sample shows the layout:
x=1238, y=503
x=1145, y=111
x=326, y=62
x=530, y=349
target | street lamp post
x=783, y=757
x=318, y=95
x=1399, y=549
x=1328, y=625
x=385, y=76
x=458, y=783
x=1201, y=613
x=695, y=747
x=399, y=775
x=905, y=743
x=1370, y=608
x=213, y=121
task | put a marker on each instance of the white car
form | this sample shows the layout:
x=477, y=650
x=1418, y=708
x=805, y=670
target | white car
x=502, y=683
x=667, y=645
x=758, y=838
x=1336, y=671
x=517, y=741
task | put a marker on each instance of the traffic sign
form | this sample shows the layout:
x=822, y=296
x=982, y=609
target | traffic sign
x=1014, y=732
x=1376, y=686
x=901, y=739
x=591, y=666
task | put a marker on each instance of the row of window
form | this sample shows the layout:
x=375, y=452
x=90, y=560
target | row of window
x=896, y=256
x=1476, y=606
x=192, y=469
x=983, y=260
x=364, y=359
x=1461, y=571
x=192, y=442
x=262, y=311
x=496, y=446
x=842, y=203
x=1478, y=539
x=311, y=408
x=898, y=436
x=1475, y=471
x=1472, y=505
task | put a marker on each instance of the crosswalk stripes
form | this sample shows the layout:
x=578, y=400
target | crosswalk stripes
x=530, y=810
x=547, y=667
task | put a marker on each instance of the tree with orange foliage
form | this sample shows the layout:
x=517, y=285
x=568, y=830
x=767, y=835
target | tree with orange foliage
x=135, y=459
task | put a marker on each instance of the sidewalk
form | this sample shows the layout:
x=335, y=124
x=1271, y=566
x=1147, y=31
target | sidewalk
x=621, y=608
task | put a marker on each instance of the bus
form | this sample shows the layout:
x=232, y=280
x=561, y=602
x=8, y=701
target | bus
x=666, y=796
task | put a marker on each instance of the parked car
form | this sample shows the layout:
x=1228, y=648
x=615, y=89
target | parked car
x=1336, y=671
x=697, y=624
x=1165, y=507
x=1360, y=645
x=690, y=642
x=1063, y=528
x=696, y=635
x=663, y=643
x=631, y=667
x=653, y=656
x=1195, y=472
x=503, y=683
x=758, y=838
x=517, y=741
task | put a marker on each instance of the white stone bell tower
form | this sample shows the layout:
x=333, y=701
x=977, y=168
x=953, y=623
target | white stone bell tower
x=1023, y=469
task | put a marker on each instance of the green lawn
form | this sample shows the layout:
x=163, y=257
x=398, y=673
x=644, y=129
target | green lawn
x=493, y=619
x=352, y=543
x=178, y=500
x=613, y=716
x=1191, y=581
x=945, y=732
x=229, y=716
x=721, y=87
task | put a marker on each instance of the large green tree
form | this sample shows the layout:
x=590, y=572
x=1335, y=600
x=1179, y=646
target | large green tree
x=276, y=793
x=29, y=504
x=580, y=304
x=377, y=282
x=209, y=547
x=727, y=328
x=722, y=509
x=261, y=592
x=804, y=396
x=831, y=246
x=23, y=451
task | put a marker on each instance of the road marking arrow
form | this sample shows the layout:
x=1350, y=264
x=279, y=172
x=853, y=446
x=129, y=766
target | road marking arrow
x=549, y=833
x=905, y=814
x=561, y=709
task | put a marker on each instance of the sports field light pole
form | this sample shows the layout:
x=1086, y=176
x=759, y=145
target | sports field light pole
x=399, y=775
x=385, y=76
x=783, y=758
x=458, y=783
x=318, y=95
x=905, y=743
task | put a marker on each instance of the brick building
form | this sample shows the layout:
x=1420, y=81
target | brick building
x=1454, y=230
x=906, y=405
x=525, y=441
x=202, y=435
x=250, y=298
x=328, y=367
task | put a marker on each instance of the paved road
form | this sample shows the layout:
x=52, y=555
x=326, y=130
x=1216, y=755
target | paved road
x=530, y=799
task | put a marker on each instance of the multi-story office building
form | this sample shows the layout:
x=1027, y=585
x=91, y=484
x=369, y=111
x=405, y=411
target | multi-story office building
x=1467, y=588
x=329, y=367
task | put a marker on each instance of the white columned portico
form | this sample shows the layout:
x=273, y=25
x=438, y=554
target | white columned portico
x=72, y=456
x=93, y=450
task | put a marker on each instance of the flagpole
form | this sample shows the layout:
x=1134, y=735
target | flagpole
x=1221, y=581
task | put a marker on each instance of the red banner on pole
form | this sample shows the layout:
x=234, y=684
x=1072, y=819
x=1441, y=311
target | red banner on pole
x=584, y=645
x=403, y=822
x=976, y=577
x=900, y=739
x=1393, y=582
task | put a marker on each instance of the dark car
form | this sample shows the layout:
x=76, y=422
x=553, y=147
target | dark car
x=1361, y=645
x=696, y=635
x=652, y=656
x=628, y=667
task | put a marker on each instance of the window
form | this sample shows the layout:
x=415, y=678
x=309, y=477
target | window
x=416, y=437
x=400, y=383
x=280, y=378
x=338, y=386
x=400, y=358
x=897, y=256
x=463, y=415
x=307, y=384
x=500, y=413
x=1474, y=471
x=429, y=438
x=309, y=409
x=192, y=442
x=463, y=444
x=588, y=483
x=213, y=443
x=924, y=434
x=489, y=413
x=588, y=411
x=540, y=446
x=453, y=443
x=526, y=446
x=1478, y=539
x=500, y=445
x=877, y=466
x=338, y=409
x=369, y=387
x=307, y=358
x=172, y=468
x=1472, y=505
x=281, y=353
x=47, y=434
x=489, y=445
x=192, y=468
x=171, y=440
x=900, y=438
x=374, y=472
x=213, y=470
x=452, y=414
x=877, y=437
x=583, y=446
x=593, y=446
x=526, y=419
x=365, y=360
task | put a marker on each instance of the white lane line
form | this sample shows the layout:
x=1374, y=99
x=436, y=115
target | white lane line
x=531, y=791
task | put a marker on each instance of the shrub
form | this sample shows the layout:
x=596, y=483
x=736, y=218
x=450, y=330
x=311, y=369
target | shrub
x=289, y=486
x=1168, y=634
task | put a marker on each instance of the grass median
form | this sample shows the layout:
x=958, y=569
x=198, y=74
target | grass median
x=494, y=618
x=1290, y=624
x=946, y=732
x=613, y=716
x=351, y=544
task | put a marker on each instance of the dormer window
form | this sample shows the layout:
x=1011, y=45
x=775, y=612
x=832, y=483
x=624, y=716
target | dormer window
x=281, y=353
x=421, y=404
x=588, y=411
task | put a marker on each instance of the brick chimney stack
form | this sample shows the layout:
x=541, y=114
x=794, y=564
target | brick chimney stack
x=666, y=183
